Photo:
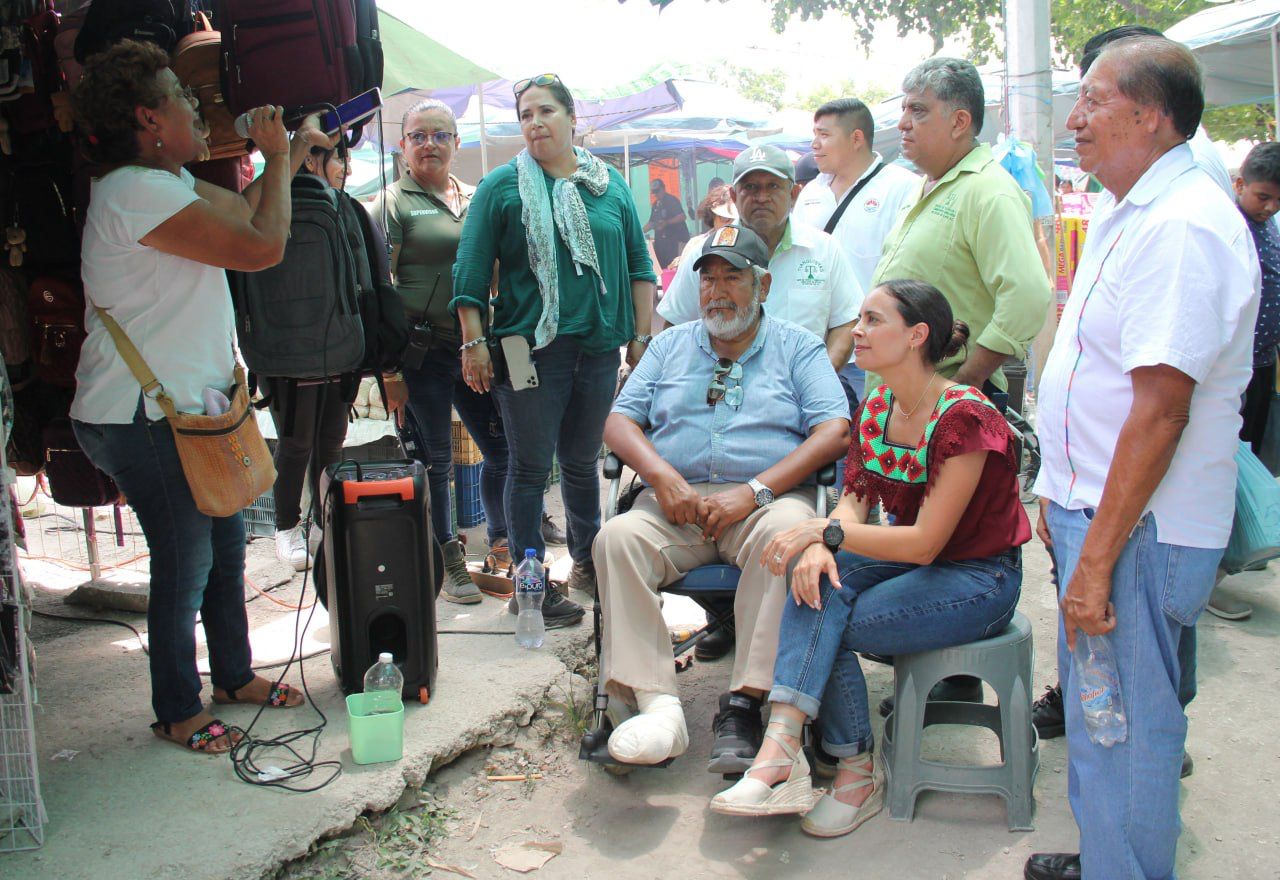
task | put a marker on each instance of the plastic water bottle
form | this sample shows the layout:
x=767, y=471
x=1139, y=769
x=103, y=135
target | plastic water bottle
x=1100, y=697
x=383, y=684
x=531, y=588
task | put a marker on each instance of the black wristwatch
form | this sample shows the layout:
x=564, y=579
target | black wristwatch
x=833, y=535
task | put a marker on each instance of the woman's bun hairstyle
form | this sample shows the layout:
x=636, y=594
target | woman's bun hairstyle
x=959, y=339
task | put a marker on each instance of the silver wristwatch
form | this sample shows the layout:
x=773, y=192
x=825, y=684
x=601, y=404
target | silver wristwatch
x=764, y=495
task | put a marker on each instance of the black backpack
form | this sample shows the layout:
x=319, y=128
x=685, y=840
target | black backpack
x=301, y=319
x=107, y=22
x=386, y=329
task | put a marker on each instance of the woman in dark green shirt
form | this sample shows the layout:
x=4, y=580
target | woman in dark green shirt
x=424, y=213
x=575, y=282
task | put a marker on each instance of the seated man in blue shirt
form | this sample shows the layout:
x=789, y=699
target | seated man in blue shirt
x=725, y=420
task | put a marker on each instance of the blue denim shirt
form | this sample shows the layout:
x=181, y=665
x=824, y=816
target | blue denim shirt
x=788, y=387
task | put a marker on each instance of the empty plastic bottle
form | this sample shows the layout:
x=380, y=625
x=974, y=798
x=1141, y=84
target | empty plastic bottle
x=531, y=588
x=383, y=684
x=1095, y=667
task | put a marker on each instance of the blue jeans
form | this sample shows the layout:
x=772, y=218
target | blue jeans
x=885, y=608
x=562, y=417
x=197, y=565
x=435, y=390
x=1125, y=798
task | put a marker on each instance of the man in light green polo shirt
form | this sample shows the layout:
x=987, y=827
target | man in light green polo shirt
x=969, y=230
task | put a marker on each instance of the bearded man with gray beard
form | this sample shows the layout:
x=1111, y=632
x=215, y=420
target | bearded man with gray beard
x=726, y=420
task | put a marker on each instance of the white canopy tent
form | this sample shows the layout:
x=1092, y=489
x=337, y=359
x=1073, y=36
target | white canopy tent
x=1239, y=47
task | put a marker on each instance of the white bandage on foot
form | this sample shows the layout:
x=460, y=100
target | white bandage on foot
x=658, y=732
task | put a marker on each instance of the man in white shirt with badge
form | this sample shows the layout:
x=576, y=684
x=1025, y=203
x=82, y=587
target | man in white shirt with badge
x=1138, y=421
x=855, y=198
x=813, y=283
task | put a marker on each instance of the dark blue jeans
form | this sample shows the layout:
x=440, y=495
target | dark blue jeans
x=563, y=417
x=884, y=608
x=197, y=565
x=435, y=389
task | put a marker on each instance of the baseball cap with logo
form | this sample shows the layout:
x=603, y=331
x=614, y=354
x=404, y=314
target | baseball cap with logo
x=765, y=157
x=737, y=245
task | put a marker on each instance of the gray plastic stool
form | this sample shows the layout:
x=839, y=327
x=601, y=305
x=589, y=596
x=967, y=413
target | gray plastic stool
x=1003, y=662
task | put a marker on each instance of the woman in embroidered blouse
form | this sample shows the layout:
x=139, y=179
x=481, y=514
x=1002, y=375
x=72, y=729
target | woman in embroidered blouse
x=949, y=571
x=576, y=283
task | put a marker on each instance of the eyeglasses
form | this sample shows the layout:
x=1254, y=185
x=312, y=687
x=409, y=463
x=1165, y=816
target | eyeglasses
x=189, y=94
x=724, y=371
x=441, y=138
x=542, y=79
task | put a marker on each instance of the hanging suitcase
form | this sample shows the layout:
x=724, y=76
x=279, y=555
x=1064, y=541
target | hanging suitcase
x=379, y=572
x=293, y=53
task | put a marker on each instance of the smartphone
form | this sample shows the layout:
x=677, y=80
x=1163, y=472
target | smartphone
x=520, y=366
x=353, y=113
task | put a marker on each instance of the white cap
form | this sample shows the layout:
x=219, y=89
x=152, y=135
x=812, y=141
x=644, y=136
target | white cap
x=384, y=657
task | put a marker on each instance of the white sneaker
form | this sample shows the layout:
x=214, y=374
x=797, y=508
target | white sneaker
x=291, y=548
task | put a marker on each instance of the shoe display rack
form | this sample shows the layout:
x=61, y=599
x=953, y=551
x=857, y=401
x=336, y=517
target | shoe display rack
x=22, y=814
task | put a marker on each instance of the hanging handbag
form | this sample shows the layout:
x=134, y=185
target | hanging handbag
x=224, y=457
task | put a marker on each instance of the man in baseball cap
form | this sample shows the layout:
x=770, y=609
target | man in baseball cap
x=724, y=419
x=765, y=157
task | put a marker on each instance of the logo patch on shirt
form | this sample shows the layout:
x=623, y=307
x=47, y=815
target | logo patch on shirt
x=726, y=236
x=946, y=208
x=810, y=273
x=423, y=212
x=871, y=206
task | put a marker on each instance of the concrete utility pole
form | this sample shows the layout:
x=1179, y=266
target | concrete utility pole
x=1028, y=61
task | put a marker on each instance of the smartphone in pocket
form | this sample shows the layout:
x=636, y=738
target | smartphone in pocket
x=520, y=367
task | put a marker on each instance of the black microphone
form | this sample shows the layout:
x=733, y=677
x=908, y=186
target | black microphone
x=292, y=117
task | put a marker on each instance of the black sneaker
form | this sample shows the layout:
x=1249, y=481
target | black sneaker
x=1047, y=714
x=738, y=731
x=956, y=689
x=557, y=611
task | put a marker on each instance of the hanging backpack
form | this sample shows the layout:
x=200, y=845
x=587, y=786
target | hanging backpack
x=293, y=53
x=43, y=102
x=301, y=319
x=39, y=219
x=56, y=305
x=107, y=22
x=196, y=63
x=64, y=44
x=74, y=481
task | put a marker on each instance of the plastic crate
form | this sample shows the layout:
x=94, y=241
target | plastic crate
x=465, y=450
x=466, y=494
x=260, y=516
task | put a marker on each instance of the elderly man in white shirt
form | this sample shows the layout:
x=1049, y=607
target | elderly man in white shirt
x=856, y=197
x=813, y=283
x=1138, y=420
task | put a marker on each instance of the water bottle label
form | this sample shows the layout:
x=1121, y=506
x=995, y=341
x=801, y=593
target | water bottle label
x=528, y=584
x=1096, y=699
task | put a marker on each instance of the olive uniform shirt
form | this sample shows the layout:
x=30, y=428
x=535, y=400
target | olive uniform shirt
x=970, y=237
x=428, y=234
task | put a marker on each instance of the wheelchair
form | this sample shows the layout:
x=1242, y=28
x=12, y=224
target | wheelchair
x=707, y=585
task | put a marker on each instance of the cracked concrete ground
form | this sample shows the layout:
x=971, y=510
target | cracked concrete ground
x=129, y=808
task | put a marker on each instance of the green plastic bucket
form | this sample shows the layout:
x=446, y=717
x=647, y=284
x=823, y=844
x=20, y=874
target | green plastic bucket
x=374, y=738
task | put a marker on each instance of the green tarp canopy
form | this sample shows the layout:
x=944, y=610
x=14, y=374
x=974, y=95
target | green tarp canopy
x=414, y=60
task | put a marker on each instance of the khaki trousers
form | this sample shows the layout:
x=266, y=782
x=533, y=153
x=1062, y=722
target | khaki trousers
x=639, y=552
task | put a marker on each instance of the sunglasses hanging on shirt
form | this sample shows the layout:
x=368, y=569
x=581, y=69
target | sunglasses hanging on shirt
x=724, y=372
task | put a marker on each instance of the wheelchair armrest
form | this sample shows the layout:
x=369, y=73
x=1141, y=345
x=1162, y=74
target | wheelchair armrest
x=827, y=475
x=612, y=467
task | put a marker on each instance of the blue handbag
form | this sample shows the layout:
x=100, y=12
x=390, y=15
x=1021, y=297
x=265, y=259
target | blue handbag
x=1255, y=531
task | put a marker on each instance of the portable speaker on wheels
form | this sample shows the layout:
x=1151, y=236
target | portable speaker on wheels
x=380, y=573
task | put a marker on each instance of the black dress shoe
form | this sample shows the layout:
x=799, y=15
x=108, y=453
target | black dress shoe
x=956, y=689
x=715, y=644
x=1047, y=714
x=1052, y=866
x=1188, y=766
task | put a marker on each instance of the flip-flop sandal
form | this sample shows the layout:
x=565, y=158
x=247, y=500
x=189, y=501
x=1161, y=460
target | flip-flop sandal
x=278, y=698
x=201, y=741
